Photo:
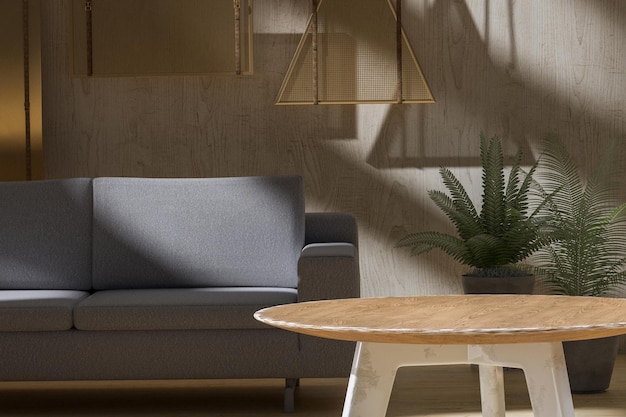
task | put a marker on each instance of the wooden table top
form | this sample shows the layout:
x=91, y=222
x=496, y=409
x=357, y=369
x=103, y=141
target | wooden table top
x=454, y=319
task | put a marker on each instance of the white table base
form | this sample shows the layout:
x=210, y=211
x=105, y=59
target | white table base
x=375, y=366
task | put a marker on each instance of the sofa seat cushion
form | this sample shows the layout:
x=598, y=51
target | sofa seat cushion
x=178, y=308
x=38, y=310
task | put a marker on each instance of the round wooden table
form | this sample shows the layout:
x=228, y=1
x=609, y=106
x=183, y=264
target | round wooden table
x=492, y=331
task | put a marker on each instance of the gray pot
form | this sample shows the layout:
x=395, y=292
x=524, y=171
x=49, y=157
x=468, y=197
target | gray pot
x=590, y=363
x=498, y=285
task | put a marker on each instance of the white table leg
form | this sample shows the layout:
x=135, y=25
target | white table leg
x=370, y=384
x=375, y=366
x=545, y=370
x=374, y=371
x=492, y=391
x=548, y=383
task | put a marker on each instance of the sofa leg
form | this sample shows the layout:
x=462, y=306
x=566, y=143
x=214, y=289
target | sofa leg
x=290, y=390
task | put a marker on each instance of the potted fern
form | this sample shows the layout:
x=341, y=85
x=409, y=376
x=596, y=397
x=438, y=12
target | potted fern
x=493, y=240
x=588, y=254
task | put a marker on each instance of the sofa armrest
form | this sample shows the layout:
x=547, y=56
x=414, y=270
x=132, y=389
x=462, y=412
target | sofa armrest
x=330, y=227
x=328, y=267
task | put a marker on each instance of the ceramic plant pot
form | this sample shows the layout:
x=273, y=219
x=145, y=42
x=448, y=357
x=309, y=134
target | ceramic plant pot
x=590, y=363
x=498, y=285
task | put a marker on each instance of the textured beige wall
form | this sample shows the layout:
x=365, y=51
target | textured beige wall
x=517, y=69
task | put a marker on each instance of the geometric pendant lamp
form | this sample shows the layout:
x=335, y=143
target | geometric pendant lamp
x=353, y=52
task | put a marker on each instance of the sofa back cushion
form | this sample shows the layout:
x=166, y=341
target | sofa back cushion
x=204, y=232
x=45, y=235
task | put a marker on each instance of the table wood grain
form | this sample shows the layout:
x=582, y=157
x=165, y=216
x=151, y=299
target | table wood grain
x=454, y=319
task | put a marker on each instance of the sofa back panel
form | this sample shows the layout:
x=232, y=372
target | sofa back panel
x=168, y=233
x=45, y=234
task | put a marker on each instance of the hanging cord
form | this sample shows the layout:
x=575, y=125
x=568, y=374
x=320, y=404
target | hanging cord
x=89, y=21
x=25, y=31
x=314, y=51
x=399, y=49
x=237, y=5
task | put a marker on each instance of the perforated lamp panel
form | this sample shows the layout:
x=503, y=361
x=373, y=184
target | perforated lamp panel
x=357, y=58
x=160, y=37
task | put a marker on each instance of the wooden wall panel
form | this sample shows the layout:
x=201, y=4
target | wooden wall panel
x=518, y=69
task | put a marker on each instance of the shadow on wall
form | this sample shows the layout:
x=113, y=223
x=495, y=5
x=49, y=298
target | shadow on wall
x=476, y=92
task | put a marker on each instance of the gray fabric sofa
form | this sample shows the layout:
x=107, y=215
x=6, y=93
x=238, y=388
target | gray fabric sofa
x=138, y=278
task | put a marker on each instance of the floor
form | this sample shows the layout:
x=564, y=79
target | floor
x=450, y=391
